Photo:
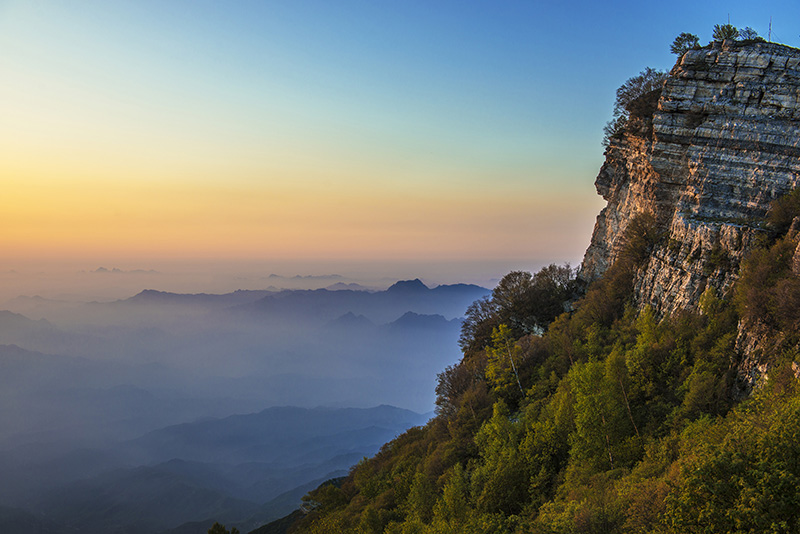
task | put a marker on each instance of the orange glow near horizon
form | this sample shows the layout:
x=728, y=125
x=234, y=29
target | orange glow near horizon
x=127, y=136
x=167, y=196
x=73, y=218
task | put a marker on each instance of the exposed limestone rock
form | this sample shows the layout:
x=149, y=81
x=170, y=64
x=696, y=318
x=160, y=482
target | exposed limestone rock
x=752, y=341
x=725, y=143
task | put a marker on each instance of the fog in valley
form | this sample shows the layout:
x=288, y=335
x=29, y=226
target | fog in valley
x=115, y=410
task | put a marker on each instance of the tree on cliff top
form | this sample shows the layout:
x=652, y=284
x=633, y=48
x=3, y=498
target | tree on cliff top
x=630, y=100
x=683, y=43
x=725, y=31
x=646, y=81
x=749, y=34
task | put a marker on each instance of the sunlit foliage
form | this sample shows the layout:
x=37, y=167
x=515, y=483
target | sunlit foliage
x=608, y=418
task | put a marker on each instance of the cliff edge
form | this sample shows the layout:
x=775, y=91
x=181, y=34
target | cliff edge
x=723, y=142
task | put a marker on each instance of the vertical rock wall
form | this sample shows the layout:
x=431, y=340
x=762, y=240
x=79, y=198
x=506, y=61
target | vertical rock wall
x=725, y=144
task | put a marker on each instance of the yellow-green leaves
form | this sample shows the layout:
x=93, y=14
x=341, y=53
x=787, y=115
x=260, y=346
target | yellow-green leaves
x=503, y=357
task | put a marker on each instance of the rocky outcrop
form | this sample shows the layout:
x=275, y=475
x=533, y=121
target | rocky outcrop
x=724, y=143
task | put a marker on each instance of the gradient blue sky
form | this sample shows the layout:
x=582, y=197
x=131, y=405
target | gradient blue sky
x=321, y=131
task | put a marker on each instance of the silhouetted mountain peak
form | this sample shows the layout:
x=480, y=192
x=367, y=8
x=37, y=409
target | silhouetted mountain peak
x=16, y=321
x=460, y=288
x=9, y=315
x=408, y=286
x=151, y=294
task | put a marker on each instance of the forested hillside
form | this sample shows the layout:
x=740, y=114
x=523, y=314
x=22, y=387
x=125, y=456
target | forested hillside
x=609, y=419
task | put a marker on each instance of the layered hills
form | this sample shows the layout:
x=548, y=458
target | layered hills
x=151, y=413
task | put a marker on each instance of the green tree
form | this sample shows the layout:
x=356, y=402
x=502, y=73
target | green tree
x=725, y=31
x=421, y=498
x=749, y=34
x=545, y=446
x=604, y=437
x=504, y=355
x=479, y=321
x=451, y=384
x=501, y=480
x=641, y=237
x=646, y=81
x=683, y=43
x=514, y=302
x=744, y=473
x=782, y=213
x=526, y=303
x=454, y=505
x=631, y=101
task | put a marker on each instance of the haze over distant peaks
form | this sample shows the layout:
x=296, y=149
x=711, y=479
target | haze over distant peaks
x=419, y=320
x=349, y=320
x=152, y=296
x=408, y=286
x=340, y=286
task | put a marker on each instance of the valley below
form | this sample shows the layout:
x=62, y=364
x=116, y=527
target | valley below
x=168, y=411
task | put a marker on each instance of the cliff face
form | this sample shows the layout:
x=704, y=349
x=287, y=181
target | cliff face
x=725, y=143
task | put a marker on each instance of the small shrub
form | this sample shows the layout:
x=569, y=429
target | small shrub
x=782, y=212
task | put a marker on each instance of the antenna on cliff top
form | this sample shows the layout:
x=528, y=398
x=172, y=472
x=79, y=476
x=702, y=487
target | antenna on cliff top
x=769, y=35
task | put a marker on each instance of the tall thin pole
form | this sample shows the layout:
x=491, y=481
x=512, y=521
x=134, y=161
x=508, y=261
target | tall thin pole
x=769, y=35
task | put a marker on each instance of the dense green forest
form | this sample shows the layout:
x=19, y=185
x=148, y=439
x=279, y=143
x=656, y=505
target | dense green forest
x=573, y=410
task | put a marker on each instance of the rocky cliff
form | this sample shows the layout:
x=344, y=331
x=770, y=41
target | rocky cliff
x=724, y=143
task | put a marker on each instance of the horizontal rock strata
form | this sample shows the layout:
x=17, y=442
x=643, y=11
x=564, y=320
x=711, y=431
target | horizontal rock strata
x=725, y=143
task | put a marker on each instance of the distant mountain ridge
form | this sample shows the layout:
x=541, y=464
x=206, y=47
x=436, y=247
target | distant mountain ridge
x=256, y=437
x=14, y=326
x=427, y=321
x=411, y=292
x=151, y=296
x=115, y=402
x=408, y=286
x=450, y=301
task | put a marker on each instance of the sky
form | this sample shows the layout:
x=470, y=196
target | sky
x=319, y=133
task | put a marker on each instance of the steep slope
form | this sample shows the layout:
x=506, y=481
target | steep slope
x=724, y=144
